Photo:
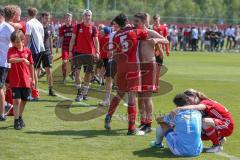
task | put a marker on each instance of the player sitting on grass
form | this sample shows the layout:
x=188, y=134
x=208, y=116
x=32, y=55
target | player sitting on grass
x=217, y=122
x=21, y=75
x=182, y=131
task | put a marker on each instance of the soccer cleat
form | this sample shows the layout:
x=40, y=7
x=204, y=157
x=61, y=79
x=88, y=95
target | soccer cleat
x=104, y=103
x=79, y=98
x=3, y=118
x=215, y=149
x=107, y=124
x=64, y=81
x=85, y=97
x=146, y=129
x=222, y=141
x=154, y=144
x=52, y=93
x=22, y=122
x=132, y=132
x=140, y=126
x=17, y=124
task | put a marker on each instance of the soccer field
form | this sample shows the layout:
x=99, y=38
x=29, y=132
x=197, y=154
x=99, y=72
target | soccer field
x=47, y=137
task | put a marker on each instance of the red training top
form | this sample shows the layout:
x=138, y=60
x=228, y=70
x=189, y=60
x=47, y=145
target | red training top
x=84, y=40
x=19, y=73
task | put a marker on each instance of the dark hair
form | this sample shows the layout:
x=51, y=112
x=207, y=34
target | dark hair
x=9, y=12
x=156, y=16
x=32, y=12
x=141, y=15
x=121, y=20
x=17, y=35
x=180, y=99
x=45, y=14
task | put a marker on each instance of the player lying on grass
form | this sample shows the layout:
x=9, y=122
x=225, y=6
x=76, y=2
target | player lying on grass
x=217, y=122
x=182, y=130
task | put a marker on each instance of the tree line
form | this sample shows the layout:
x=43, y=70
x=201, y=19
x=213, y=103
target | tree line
x=179, y=11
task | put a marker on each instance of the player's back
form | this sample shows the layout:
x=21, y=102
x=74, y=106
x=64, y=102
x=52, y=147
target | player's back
x=188, y=124
x=128, y=39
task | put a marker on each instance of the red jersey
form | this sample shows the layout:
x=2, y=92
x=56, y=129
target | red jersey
x=161, y=29
x=128, y=39
x=217, y=110
x=84, y=40
x=104, y=43
x=23, y=24
x=66, y=32
x=19, y=73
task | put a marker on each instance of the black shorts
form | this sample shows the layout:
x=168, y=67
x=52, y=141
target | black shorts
x=44, y=58
x=111, y=69
x=86, y=60
x=21, y=93
x=159, y=60
x=102, y=63
x=99, y=63
x=3, y=76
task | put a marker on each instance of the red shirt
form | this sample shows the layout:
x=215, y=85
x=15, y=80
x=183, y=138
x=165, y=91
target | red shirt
x=19, y=73
x=23, y=24
x=104, y=43
x=66, y=32
x=84, y=40
x=217, y=110
x=161, y=29
x=127, y=40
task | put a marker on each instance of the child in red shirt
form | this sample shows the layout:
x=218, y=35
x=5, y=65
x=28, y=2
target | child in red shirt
x=21, y=75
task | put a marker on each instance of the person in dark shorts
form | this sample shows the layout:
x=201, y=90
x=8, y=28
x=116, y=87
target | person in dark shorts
x=46, y=56
x=21, y=76
x=86, y=51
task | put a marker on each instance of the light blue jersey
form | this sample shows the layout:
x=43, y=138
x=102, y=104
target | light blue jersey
x=185, y=139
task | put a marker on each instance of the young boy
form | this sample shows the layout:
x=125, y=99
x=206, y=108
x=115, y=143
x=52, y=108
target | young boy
x=21, y=76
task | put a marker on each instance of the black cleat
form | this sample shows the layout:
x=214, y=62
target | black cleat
x=2, y=118
x=146, y=129
x=132, y=132
x=85, y=97
x=17, y=124
x=22, y=122
x=52, y=93
x=107, y=124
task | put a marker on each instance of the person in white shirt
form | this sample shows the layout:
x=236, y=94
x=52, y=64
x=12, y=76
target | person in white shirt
x=5, y=32
x=35, y=40
x=230, y=33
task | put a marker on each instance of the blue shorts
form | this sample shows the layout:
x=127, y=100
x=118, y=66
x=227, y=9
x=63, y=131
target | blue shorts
x=171, y=139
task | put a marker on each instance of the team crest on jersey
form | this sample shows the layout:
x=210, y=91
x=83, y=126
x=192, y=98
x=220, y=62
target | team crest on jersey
x=80, y=30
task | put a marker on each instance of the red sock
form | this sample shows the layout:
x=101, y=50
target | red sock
x=132, y=114
x=113, y=105
x=64, y=69
x=211, y=133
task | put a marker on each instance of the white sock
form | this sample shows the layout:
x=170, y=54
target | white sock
x=78, y=86
x=159, y=135
x=107, y=96
x=85, y=90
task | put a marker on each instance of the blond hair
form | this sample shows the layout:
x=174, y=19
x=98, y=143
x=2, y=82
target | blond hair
x=199, y=94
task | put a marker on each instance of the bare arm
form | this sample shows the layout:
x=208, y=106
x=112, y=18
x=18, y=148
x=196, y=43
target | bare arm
x=72, y=43
x=16, y=25
x=156, y=38
x=60, y=40
x=96, y=45
x=199, y=107
x=31, y=68
x=17, y=60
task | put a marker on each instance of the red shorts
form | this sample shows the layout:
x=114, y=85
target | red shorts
x=149, y=76
x=224, y=128
x=128, y=81
x=65, y=55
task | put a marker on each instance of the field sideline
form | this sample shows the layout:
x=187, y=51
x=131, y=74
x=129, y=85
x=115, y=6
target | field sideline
x=47, y=137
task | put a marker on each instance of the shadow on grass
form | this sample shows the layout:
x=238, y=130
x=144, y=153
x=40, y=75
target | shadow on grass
x=155, y=153
x=6, y=127
x=45, y=100
x=81, y=134
x=78, y=106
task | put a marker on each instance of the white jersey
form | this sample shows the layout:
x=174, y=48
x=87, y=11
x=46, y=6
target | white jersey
x=5, y=43
x=35, y=30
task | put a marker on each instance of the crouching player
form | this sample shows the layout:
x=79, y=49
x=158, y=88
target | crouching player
x=182, y=131
x=217, y=122
x=21, y=75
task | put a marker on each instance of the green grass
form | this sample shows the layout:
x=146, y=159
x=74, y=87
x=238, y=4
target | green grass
x=47, y=137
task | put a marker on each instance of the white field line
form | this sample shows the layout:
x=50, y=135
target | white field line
x=223, y=154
